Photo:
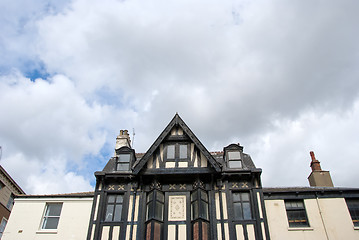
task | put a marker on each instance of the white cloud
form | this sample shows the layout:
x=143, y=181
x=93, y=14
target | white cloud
x=283, y=152
x=236, y=71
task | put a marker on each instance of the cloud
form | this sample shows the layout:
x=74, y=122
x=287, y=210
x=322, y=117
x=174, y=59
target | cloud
x=256, y=72
x=283, y=153
x=47, y=121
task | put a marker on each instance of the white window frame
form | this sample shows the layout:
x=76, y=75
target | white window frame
x=46, y=216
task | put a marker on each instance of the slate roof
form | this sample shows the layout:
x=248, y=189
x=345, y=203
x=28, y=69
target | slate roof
x=69, y=195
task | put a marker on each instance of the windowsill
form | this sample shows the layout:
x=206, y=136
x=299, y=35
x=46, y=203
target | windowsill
x=356, y=228
x=300, y=229
x=47, y=231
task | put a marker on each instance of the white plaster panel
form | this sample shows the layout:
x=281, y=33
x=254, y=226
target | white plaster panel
x=182, y=164
x=177, y=208
x=105, y=233
x=150, y=163
x=171, y=232
x=219, y=231
x=96, y=207
x=218, y=213
x=250, y=231
x=224, y=202
x=115, y=232
x=128, y=231
x=130, y=204
x=259, y=205
x=170, y=164
x=182, y=233
x=203, y=161
x=136, y=207
x=161, y=151
x=263, y=231
x=239, y=232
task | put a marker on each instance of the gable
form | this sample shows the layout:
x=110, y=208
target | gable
x=177, y=148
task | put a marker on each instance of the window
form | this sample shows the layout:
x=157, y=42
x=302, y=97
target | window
x=114, y=208
x=242, y=206
x=199, y=204
x=177, y=151
x=10, y=203
x=297, y=216
x=234, y=159
x=171, y=151
x=123, y=162
x=2, y=185
x=154, y=214
x=2, y=226
x=155, y=203
x=177, y=155
x=51, y=216
x=353, y=206
x=200, y=214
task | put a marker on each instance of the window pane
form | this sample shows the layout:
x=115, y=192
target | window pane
x=204, y=210
x=204, y=196
x=150, y=197
x=236, y=197
x=159, y=211
x=50, y=223
x=247, y=211
x=10, y=203
x=53, y=210
x=150, y=211
x=235, y=164
x=238, y=214
x=234, y=155
x=245, y=196
x=194, y=210
x=119, y=199
x=123, y=166
x=109, y=213
x=170, y=151
x=194, y=196
x=183, y=151
x=111, y=198
x=160, y=196
x=124, y=158
x=118, y=211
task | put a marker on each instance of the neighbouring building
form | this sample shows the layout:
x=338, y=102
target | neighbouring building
x=179, y=190
x=8, y=190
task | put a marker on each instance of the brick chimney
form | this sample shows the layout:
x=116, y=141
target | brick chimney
x=318, y=177
x=123, y=140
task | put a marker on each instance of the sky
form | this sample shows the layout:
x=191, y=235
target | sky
x=278, y=77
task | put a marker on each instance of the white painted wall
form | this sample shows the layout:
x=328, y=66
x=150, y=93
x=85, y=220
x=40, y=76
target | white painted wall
x=329, y=218
x=26, y=217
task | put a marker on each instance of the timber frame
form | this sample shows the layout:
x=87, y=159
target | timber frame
x=204, y=171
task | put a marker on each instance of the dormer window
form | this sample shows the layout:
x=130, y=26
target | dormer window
x=125, y=157
x=123, y=162
x=234, y=159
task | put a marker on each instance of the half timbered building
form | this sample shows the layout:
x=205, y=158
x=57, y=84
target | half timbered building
x=178, y=190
